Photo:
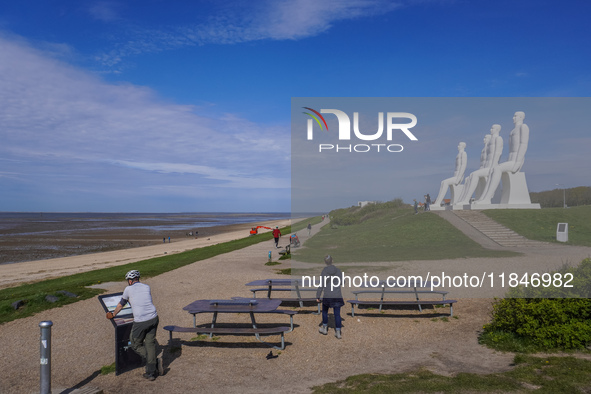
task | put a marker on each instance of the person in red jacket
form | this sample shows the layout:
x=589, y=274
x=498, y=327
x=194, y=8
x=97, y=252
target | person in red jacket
x=276, y=235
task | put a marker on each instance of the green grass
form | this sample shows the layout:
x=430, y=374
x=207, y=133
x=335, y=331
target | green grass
x=540, y=224
x=272, y=263
x=392, y=234
x=531, y=374
x=34, y=293
x=107, y=369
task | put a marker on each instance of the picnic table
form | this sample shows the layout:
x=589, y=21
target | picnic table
x=279, y=285
x=234, y=306
x=413, y=287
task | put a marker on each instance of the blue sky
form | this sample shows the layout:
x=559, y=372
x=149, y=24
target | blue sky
x=157, y=106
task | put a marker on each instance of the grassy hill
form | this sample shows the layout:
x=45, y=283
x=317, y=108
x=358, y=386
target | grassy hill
x=390, y=232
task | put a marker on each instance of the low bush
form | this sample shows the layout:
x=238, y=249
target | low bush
x=535, y=324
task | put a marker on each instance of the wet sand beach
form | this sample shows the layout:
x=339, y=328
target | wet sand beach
x=38, y=236
x=31, y=271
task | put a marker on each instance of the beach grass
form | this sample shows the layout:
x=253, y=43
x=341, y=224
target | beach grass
x=531, y=374
x=34, y=294
x=540, y=224
x=392, y=234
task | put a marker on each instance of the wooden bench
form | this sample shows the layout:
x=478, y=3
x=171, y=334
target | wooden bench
x=235, y=331
x=409, y=302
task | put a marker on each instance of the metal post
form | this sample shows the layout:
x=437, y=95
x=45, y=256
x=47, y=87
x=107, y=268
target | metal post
x=563, y=194
x=45, y=347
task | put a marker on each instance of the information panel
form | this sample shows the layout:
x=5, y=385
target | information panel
x=125, y=358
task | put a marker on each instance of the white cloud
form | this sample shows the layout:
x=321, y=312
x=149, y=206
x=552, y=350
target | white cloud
x=271, y=19
x=106, y=11
x=55, y=118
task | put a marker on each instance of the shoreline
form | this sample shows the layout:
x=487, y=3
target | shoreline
x=32, y=237
x=14, y=274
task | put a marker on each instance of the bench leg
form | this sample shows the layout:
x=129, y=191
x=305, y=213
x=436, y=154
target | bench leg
x=273, y=346
x=352, y=310
x=451, y=310
x=317, y=313
x=214, y=319
x=254, y=324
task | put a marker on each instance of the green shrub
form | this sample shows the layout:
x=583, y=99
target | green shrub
x=533, y=324
x=541, y=323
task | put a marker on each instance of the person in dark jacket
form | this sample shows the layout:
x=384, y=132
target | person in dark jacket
x=332, y=297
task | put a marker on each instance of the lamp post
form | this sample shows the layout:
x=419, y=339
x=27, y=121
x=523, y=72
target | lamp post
x=563, y=195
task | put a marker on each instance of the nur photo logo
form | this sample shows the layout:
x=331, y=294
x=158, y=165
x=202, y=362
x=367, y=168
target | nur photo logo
x=392, y=128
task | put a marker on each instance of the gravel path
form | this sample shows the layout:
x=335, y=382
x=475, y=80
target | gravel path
x=396, y=341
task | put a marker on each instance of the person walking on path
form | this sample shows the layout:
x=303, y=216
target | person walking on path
x=332, y=297
x=416, y=206
x=276, y=235
x=309, y=229
x=145, y=322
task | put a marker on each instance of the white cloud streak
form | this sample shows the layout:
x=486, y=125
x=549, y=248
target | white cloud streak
x=53, y=114
x=265, y=20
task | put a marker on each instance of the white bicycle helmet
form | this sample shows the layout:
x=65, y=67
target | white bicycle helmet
x=133, y=274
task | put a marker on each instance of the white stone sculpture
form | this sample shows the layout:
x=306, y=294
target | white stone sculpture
x=454, y=183
x=515, y=190
x=491, y=153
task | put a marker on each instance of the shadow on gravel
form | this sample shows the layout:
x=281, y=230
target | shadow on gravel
x=82, y=383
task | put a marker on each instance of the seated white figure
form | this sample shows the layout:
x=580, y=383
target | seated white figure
x=491, y=153
x=518, y=141
x=455, y=180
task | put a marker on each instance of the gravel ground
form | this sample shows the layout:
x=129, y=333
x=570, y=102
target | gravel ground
x=395, y=341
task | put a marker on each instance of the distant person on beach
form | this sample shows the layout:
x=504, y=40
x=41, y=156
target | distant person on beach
x=168, y=239
x=332, y=297
x=163, y=240
x=145, y=322
x=276, y=235
x=309, y=229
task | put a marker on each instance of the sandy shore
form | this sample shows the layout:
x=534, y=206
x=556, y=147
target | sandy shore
x=395, y=341
x=32, y=271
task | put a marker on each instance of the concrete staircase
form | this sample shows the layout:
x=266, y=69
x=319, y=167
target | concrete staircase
x=495, y=231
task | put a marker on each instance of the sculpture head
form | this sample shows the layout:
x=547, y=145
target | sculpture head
x=486, y=138
x=495, y=129
x=518, y=117
x=461, y=146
